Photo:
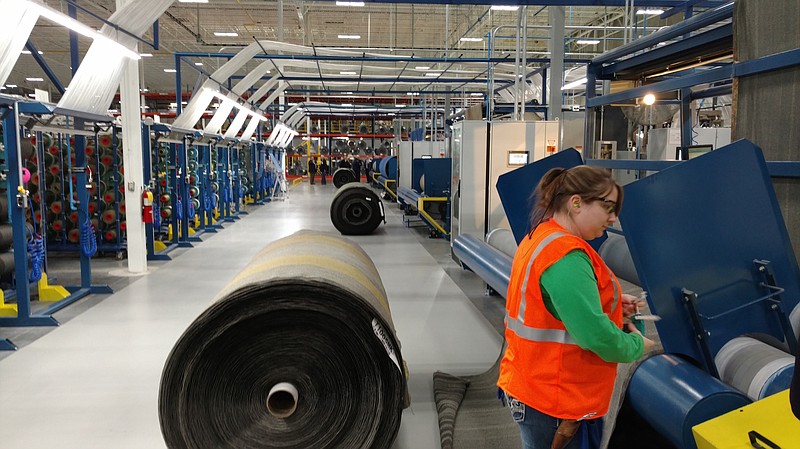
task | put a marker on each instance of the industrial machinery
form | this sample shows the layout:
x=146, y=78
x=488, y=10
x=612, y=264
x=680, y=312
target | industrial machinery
x=481, y=152
x=725, y=284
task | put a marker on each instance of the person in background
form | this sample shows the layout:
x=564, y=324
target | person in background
x=356, y=166
x=564, y=315
x=344, y=163
x=323, y=170
x=312, y=170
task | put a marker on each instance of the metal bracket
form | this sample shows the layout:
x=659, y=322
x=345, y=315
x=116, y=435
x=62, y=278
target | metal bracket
x=763, y=267
x=700, y=333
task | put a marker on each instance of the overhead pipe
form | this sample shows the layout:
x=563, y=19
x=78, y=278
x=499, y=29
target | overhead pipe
x=699, y=21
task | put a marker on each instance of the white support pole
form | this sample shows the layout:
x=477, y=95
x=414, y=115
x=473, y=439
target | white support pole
x=132, y=163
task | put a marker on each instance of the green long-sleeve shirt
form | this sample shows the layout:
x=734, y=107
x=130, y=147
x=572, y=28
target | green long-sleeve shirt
x=569, y=289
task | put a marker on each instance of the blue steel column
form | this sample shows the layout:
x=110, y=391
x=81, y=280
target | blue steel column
x=182, y=177
x=172, y=173
x=147, y=164
x=83, y=201
x=686, y=117
x=19, y=229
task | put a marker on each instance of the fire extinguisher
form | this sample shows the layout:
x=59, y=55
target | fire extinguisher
x=147, y=205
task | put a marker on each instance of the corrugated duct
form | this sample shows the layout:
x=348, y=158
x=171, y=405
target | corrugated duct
x=299, y=350
x=18, y=22
x=94, y=85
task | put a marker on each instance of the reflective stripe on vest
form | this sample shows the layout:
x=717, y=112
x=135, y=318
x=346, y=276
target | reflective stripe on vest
x=542, y=245
x=517, y=324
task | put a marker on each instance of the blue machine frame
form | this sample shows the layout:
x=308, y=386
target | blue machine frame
x=710, y=283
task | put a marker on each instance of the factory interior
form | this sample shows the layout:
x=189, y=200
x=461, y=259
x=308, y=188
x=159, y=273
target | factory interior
x=292, y=224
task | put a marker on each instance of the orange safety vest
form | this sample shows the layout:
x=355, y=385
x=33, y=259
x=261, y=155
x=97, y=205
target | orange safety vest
x=542, y=367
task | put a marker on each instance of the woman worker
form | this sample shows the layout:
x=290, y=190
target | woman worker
x=564, y=314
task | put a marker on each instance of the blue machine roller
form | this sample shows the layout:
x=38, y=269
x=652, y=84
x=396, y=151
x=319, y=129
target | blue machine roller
x=388, y=168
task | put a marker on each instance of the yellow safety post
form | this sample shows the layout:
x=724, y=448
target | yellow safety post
x=49, y=293
x=7, y=309
x=158, y=245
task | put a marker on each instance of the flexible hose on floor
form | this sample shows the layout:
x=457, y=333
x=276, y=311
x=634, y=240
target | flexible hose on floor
x=298, y=351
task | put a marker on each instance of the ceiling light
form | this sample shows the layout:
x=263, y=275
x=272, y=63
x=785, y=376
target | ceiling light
x=198, y=63
x=413, y=94
x=349, y=36
x=476, y=94
x=650, y=12
x=347, y=73
x=34, y=80
x=192, y=1
x=27, y=52
x=587, y=42
x=340, y=3
x=649, y=99
x=66, y=21
x=146, y=55
x=471, y=39
x=225, y=34
x=348, y=93
x=422, y=67
x=170, y=70
x=575, y=84
x=433, y=74
x=11, y=86
x=504, y=8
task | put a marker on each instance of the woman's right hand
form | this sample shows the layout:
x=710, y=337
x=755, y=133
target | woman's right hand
x=648, y=344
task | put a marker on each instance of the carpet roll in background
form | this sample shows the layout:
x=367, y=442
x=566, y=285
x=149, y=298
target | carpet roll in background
x=343, y=176
x=298, y=351
x=356, y=210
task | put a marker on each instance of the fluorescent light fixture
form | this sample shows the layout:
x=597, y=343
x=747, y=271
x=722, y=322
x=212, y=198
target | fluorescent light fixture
x=349, y=36
x=66, y=21
x=146, y=55
x=11, y=86
x=34, y=80
x=198, y=63
x=587, y=42
x=192, y=1
x=27, y=52
x=347, y=93
x=422, y=67
x=170, y=70
x=504, y=8
x=575, y=84
x=413, y=94
x=650, y=12
x=347, y=73
x=476, y=94
x=340, y=3
x=471, y=39
x=226, y=34
x=432, y=74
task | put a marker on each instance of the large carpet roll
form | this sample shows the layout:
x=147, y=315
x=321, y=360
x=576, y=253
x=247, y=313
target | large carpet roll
x=298, y=351
x=343, y=176
x=754, y=367
x=356, y=210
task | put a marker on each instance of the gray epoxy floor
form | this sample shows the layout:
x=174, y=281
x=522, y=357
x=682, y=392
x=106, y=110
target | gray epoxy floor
x=93, y=381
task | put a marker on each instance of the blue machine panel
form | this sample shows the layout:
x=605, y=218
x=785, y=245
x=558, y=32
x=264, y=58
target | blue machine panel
x=438, y=175
x=516, y=187
x=700, y=225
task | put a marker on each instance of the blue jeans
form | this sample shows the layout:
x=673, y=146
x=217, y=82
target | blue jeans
x=537, y=429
